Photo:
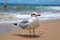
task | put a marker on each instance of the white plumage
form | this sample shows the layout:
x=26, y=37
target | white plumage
x=30, y=24
x=33, y=23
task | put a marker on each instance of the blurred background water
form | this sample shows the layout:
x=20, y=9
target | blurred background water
x=26, y=7
x=47, y=12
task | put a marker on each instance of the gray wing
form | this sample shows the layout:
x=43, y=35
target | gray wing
x=24, y=24
x=24, y=21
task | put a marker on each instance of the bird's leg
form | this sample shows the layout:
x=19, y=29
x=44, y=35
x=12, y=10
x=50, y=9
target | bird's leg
x=33, y=31
x=30, y=32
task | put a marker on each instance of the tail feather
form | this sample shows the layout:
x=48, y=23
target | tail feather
x=15, y=24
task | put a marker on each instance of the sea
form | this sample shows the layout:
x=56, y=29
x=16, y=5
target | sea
x=27, y=7
x=47, y=12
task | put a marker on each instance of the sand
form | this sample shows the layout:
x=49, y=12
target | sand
x=46, y=31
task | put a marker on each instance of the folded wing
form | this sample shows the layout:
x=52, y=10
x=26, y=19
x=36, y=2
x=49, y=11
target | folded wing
x=23, y=24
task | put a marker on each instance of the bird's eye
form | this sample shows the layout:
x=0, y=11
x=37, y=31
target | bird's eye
x=33, y=14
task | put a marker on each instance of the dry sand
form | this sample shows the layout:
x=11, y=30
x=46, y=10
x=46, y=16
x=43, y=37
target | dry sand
x=46, y=31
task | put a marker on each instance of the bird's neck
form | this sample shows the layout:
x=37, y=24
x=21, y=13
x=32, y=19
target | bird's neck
x=34, y=17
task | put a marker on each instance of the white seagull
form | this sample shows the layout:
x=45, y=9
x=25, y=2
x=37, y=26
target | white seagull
x=30, y=24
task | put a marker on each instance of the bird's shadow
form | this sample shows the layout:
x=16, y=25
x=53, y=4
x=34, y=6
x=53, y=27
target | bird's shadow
x=27, y=36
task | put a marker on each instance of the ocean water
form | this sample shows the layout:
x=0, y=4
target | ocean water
x=30, y=8
x=47, y=12
x=16, y=8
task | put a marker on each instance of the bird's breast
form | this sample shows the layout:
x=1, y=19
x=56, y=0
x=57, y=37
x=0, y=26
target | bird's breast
x=33, y=23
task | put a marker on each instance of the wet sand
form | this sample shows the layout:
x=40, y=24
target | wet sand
x=46, y=31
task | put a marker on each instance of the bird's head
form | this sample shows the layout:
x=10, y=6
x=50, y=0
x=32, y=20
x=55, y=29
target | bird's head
x=35, y=14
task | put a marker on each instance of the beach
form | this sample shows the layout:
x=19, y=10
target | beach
x=48, y=30
x=49, y=20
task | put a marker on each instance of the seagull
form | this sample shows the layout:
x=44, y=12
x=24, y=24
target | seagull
x=30, y=24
